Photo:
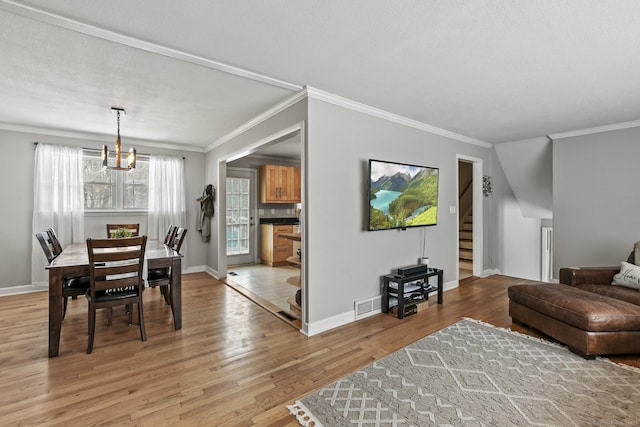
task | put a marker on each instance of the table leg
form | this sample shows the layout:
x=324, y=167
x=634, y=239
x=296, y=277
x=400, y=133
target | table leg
x=440, y=286
x=400, y=299
x=385, y=295
x=55, y=311
x=176, y=292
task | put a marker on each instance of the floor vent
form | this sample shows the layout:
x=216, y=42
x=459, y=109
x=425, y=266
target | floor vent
x=367, y=307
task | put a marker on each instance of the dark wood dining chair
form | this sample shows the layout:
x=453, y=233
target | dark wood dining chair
x=55, y=243
x=47, y=247
x=178, y=238
x=116, y=278
x=171, y=232
x=71, y=286
x=133, y=228
x=162, y=276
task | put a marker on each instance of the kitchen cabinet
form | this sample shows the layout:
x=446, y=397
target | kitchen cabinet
x=274, y=249
x=279, y=184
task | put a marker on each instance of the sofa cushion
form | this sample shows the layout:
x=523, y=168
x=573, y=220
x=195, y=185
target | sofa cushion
x=618, y=292
x=577, y=307
x=629, y=276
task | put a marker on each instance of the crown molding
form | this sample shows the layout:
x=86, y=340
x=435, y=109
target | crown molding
x=310, y=92
x=376, y=112
x=597, y=129
x=112, y=36
x=97, y=137
x=286, y=103
x=282, y=134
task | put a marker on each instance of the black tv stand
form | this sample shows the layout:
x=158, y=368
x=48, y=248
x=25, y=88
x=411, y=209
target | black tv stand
x=402, y=280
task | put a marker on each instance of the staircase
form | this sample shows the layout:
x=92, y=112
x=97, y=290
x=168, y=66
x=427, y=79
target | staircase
x=465, y=239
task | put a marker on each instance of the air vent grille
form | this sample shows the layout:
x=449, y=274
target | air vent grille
x=367, y=307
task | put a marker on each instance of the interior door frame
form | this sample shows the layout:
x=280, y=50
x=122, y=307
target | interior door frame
x=477, y=212
x=253, y=211
x=300, y=128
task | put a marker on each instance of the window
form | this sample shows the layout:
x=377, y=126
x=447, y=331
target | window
x=136, y=186
x=107, y=189
x=238, y=220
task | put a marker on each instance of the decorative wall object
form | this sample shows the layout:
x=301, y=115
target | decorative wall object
x=487, y=186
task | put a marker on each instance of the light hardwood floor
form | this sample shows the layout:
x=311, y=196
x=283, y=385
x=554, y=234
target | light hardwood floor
x=232, y=364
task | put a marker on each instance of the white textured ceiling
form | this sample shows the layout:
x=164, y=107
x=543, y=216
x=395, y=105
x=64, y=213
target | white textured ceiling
x=499, y=70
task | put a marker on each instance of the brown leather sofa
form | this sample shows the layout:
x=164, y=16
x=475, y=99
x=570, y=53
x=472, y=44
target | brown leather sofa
x=584, y=311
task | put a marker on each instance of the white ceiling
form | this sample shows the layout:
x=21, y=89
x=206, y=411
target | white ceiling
x=190, y=72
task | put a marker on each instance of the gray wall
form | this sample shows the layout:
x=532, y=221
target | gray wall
x=525, y=204
x=345, y=262
x=595, y=198
x=16, y=190
x=528, y=167
x=517, y=240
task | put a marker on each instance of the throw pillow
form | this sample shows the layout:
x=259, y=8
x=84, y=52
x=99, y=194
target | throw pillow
x=629, y=276
x=636, y=252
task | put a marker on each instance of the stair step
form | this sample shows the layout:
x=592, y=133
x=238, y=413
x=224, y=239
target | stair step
x=466, y=254
x=467, y=226
x=465, y=264
x=466, y=244
x=465, y=235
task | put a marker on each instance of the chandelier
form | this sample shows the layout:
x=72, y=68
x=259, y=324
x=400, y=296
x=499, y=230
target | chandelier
x=131, y=157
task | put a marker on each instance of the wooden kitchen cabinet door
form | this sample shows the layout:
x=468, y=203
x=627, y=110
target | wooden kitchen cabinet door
x=279, y=184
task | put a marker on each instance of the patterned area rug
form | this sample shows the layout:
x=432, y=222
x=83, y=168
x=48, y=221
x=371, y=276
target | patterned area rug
x=474, y=374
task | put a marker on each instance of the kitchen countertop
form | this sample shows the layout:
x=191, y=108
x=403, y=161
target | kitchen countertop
x=279, y=221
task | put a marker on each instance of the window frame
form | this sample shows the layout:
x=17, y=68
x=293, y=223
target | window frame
x=118, y=179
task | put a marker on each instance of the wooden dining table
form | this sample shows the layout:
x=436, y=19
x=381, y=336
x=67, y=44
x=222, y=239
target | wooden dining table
x=74, y=262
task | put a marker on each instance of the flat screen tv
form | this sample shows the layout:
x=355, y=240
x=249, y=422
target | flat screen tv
x=401, y=195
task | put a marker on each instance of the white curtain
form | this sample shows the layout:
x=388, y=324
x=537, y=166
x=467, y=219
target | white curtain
x=166, y=195
x=58, y=200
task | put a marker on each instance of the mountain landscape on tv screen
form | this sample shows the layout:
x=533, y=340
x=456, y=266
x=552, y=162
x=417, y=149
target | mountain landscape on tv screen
x=404, y=196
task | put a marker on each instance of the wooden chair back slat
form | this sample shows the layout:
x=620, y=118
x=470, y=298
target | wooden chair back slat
x=112, y=270
x=120, y=255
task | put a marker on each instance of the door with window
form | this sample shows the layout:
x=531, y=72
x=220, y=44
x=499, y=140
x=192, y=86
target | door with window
x=240, y=229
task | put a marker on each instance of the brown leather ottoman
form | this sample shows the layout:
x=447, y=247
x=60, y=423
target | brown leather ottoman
x=590, y=324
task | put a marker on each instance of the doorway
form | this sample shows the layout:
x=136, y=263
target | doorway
x=470, y=217
x=465, y=219
x=269, y=286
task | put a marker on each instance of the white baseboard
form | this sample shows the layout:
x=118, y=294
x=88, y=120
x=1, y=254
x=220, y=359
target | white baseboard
x=211, y=272
x=489, y=272
x=194, y=269
x=449, y=285
x=25, y=289
x=323, y=325
x=320, y=326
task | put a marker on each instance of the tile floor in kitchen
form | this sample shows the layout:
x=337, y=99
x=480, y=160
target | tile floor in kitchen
x=269, y=283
